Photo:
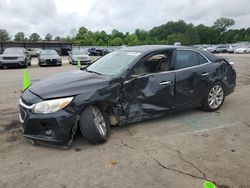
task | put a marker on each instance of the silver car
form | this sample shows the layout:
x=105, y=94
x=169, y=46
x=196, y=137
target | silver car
x=14, y=57
x=81, y=55
x=33, y=52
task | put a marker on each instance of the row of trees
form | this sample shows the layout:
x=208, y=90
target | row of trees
x=20, y=36
x=168, y=33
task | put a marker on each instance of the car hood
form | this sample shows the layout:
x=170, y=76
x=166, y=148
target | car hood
x=69, y=84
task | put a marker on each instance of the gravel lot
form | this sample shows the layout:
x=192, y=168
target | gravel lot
x=179, y=150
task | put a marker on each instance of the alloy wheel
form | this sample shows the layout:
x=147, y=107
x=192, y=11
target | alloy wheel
x=99, y=121
x=215, y=96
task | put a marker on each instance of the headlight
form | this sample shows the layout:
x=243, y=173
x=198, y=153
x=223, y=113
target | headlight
x=50, y=106
x=21, y=58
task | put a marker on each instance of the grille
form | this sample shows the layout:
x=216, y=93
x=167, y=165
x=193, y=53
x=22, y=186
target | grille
x=9, y=58
x=51, y=61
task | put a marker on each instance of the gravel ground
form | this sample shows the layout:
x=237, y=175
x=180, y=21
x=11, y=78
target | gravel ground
x=178, y=150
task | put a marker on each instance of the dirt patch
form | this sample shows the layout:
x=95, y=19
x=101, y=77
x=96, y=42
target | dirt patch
x=223, y=186
x=245, y=80
x=11, y=138
x=78, y=149
x=12, y=125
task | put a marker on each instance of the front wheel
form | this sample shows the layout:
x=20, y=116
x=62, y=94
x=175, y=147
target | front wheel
x=94, y=125
x=214, y=98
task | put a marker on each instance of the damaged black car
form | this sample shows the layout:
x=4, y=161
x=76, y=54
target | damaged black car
x=125, y=86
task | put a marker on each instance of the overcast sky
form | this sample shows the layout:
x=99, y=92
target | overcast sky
x=60, y=16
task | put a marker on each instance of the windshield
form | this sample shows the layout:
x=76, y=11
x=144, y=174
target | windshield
x=13, y=51
x=48, y=52
x=78, y=52
x=113, y=63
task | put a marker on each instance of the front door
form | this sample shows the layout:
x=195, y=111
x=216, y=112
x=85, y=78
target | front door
x=149, y=92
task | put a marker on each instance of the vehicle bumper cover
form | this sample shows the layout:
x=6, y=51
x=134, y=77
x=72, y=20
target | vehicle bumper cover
x=54, y=128
x=83, y=62
x=11, y=63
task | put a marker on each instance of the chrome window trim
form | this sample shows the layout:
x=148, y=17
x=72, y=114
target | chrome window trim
x=174, y=70
x=191, y=67
x=208, y=62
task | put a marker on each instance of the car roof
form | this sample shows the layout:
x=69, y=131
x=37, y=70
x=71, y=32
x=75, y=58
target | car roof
x=151, y=48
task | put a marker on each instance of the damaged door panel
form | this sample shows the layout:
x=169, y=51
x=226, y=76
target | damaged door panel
x=147, y=96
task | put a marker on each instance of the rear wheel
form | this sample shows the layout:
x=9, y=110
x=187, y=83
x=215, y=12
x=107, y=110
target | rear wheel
x=214, y=97
x=94, y=125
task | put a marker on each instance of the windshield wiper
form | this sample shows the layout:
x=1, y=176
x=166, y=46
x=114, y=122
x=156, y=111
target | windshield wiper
x=93, y=72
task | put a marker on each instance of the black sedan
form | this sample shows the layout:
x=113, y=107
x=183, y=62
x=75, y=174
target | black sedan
x=125, y=86
x=49, y=57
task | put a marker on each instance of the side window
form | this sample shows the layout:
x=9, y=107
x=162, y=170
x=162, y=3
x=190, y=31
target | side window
x=201, y=59
x=186, y=59
x=155, y=63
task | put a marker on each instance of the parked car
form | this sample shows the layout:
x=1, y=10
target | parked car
x=49, y=57
x=84, y=58
x=106, y=51
x=14, y=57
x=125, y=86
x=95, y=52
x=210, y=49
x=177, y=44
x=34, y=52
x=231, y=48
x=221, y=49
x=242, y=50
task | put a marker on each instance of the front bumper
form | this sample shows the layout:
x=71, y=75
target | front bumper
x=50, y=62
x=11, y=63
x=83, y=62
x=54, y=128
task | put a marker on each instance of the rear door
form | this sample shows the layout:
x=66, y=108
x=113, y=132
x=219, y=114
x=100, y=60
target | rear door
x=192, y=75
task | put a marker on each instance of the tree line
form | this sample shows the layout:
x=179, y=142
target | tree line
x=173, y=31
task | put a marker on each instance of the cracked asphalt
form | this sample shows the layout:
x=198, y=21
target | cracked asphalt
x=179, y=150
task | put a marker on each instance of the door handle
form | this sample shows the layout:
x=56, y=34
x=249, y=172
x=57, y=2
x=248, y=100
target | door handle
x=165, y=83
x=205, y=74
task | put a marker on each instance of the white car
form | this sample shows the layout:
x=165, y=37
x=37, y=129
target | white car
x=242, y=50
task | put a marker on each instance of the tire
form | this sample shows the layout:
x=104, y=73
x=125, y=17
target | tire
x=213, y=95
x=94, y=131
x=29, y=62
x=25, y=65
